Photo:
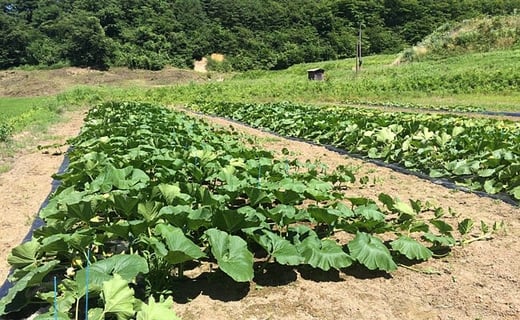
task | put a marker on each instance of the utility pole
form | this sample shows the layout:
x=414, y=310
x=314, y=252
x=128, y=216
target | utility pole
x=359, y=60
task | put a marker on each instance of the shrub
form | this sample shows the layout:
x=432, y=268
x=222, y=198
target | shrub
x=5, y=131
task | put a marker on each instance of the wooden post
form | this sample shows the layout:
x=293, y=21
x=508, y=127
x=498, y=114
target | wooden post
x=359, y=61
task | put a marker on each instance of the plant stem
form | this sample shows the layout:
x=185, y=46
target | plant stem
x=419, y=270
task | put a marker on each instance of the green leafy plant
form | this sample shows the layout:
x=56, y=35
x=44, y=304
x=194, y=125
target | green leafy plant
x=481, y=154
x=149, y=190
x=5, y=131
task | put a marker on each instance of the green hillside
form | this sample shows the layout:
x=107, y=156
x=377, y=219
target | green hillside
x=252, y=34
x=469, y=36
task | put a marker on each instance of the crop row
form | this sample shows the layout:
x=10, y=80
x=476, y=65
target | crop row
x=148, y=190
x=482, y=154
x=401, y=105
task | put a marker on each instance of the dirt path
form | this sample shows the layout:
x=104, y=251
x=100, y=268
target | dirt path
x=25, y=186
x=480, y=281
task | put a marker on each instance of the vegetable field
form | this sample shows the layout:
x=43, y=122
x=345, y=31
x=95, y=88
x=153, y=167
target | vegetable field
x=150, y=193
x=481, y=154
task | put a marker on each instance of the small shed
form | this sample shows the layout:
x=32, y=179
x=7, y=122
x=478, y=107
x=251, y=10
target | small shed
x=316, y=74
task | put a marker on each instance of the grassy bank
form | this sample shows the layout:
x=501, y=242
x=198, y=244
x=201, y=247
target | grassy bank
x=483, y=80
x=32, y=116
x=19, y=113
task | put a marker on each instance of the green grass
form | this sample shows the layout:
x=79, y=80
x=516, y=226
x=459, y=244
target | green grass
x=12, y=107
x=31, y=114
x=485, y=80
x=480, y=34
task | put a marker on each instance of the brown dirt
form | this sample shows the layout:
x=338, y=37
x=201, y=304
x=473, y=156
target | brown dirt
x=25, y=186
x=200, y=65
x=48, y=82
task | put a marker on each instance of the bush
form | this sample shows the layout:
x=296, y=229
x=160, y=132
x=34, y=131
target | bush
x=149, y=61
x=5, y=131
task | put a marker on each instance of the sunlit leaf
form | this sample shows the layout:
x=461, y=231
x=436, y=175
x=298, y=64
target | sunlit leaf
x=232, y=255
x=411, y=248
x=324, y=254
x=371, y=252
x=180, y=248
x=157, y=310
x=465, y=226
x=118, y=298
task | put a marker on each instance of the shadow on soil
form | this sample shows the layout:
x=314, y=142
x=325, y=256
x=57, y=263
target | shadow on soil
x=219, y=286
x=360, y=272
x=319, y=275
x=216, y=285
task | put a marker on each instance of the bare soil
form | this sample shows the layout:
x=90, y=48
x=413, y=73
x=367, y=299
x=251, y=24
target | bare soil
x=14, y=83
x=26, y=185
x=478, y=281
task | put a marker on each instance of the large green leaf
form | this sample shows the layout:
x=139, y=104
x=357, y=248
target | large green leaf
x=15, y=299
x=516, y=193
x=439, y=240
x=492, y=186
x=200, y=217
x=257, y=196
x=149, y=210
x=64, y=303
x=180, y=248
x=288, y=196
x=279, y=248
x=173, y=195
x=83, y=210
x=324, y=215
x=411, y=248
x=24, y=254
x=323, y=254
x=234, y=220
x=124, y=179
x=124, y=203
x=96, y=314
x=385, y=135
x=128, y=266
x=370, y=212
x=284, y=215
x=50, y=315
x=403, y=207
x=371, y=252
x=465, y=226
x=319, y=190
x=443, y=226
x=232, y=255
x=118, y=298
x=63, y=241
x=157, y=310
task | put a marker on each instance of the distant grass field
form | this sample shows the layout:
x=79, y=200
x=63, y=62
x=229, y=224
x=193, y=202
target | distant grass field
x=14, y=106
x=19, y=113
x=486, y=80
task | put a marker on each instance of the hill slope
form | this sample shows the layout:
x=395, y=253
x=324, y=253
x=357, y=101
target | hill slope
x=468, y=36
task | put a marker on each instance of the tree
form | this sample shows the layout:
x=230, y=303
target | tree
x=85, y=42
x=13, y=42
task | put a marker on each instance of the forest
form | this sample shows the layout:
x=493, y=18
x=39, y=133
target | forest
x=252, y=34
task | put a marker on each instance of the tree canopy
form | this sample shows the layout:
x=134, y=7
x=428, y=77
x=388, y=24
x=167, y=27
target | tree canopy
x=261, y=34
